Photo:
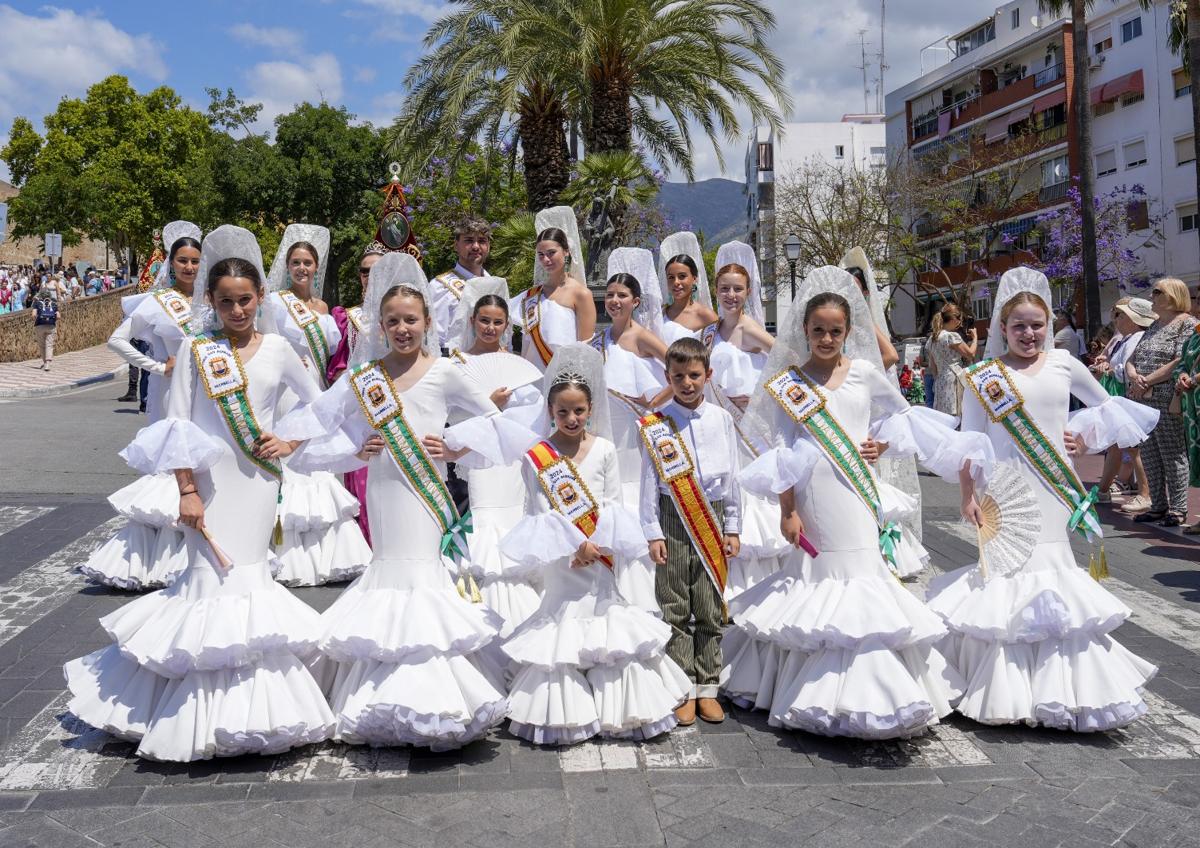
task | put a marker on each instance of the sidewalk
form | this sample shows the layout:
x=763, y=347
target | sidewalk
x=1089, y=468
x=68, y=372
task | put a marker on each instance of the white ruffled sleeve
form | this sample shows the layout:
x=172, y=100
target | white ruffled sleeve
x=929, y=435
x=543, y=536
x=780, y=469
x=618, y=529
x=1106, y=420
x=174, y=442
x=331, y=434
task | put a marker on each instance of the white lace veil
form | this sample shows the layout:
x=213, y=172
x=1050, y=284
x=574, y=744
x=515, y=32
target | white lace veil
x=392, y=269
x=582, y=362
x=172, y=233
x=462, y=330
x=225, y=242
x=1015, y=281
x=791, y=345
x=315, y=235
x=563, y=218
x=683, y=243
x=856, y=257
x=639, y=263
x=743, y=254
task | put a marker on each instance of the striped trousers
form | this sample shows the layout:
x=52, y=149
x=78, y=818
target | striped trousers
x=1164, y=455
x=690, y=603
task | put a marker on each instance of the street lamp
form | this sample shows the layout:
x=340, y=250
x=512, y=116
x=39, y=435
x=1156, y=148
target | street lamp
x=791, y=249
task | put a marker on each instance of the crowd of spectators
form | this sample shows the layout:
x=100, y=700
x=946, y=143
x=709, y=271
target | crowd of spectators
x=21, y=284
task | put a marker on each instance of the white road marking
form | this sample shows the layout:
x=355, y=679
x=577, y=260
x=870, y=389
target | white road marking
x=44, y=587
x=52, y=754
x=12, y=517
x=339, y=762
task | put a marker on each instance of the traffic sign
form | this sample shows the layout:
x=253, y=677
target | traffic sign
x=54, y=244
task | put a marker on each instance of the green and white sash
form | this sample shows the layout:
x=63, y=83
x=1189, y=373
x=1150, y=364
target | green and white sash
x=452, y=282
x=310, y=324
x=805, y=403
x=177, y=307
x=993, y=385
x=225, y=382
x=385, y=413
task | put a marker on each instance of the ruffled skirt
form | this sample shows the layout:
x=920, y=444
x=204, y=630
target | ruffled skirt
x=1033, y=646
x=148, y=552
x=322, y=540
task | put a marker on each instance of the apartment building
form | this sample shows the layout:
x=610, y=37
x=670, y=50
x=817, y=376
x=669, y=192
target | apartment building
x=856, y=141
x=1012, y=72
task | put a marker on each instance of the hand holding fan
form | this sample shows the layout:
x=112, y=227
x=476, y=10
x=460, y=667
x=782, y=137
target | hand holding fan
x=1011, y=522
x=501, y=370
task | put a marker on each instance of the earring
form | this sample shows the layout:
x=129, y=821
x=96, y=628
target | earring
x=171, y=274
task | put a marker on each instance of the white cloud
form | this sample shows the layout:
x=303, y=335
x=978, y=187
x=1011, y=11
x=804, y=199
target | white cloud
x=280, y=85
x=365, y=75
x=281, y=39
x=426, y=10
x=59, y=53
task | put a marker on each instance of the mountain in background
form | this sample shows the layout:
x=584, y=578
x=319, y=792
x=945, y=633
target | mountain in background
x=715, y=207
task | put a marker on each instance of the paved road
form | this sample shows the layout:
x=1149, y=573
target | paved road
x=738, y=784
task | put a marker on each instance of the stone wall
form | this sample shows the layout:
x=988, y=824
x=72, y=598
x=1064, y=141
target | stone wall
x=82, y=324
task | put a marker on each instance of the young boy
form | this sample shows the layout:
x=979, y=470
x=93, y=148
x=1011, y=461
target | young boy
x=472, y=244
x=691, y=515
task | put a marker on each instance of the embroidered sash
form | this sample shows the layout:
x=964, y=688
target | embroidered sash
x=564, y=487
x=225, y=382
x=708, y=334
x=673, y=462
x=310, y=324
x=805, y=404
x=177, y=307
x=354, y=325
x=452, y=283
x=531, y=311
x=600, y=341
x=998, y=395
x=385, y=413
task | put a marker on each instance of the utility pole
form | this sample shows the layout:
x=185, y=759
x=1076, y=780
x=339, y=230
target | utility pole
x=862, y=45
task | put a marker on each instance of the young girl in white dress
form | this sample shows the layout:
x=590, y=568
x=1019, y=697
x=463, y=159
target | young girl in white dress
x=148, y=552
x=739, y=352
x=481, y=328
x=320, y=540
x=558, y=309
x=409, y=667
x=832, y=643
x=211, y=666
x=634, y=354
x=1031, y=638
x=684, y=279
x=589, y=662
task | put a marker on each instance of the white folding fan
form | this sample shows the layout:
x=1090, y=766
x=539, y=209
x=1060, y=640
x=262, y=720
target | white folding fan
x=501, y=369
x=1012, y=521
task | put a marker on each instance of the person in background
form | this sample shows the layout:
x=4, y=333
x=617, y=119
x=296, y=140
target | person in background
x=948, y=352
x=45, y=326
x=1187, y=386
x=1066, y=336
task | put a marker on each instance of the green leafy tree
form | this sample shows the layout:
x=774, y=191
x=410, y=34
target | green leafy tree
x=21, y=151
x=229, y=112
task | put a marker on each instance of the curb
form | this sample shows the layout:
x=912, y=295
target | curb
x=63, y=388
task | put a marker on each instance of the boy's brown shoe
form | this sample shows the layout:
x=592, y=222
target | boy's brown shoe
x=710, y=710
x=685, y=713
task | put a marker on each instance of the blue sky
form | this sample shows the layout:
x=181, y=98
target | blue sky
x=355, y=52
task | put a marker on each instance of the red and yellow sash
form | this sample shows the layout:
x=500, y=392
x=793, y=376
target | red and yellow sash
x=531, y=311
x=564, y=487
x=673, y=462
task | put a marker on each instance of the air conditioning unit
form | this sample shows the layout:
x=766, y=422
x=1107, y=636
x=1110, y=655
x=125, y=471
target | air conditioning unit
x=1094, y=61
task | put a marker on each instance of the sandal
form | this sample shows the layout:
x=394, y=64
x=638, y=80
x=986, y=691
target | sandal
x=1171, y=520
x=1192, y=529
x=1149, y=516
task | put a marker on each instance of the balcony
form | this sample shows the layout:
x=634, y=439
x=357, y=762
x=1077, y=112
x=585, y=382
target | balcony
x=1053, y=193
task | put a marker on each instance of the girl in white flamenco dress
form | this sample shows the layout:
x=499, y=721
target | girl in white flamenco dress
x=319, y=540
x=739, y=352
x=684, y=281
x=409, y=664
x=212, y=665
x=1032, y=640
x=833, y=643
x=588, y=662
x=634, y=353
x=148, y=552
x=481, y=327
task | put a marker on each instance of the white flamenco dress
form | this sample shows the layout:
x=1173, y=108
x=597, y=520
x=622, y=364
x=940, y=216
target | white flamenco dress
x=589, y=662
x=1033, y=644
x=508, y=588
x=556, y=324
x=738, y=372
x=409, y=651
x=148, y=552
x=640, y=379
x=212, y=665
x=673, y=331
x=835, y=644
x=322, y=541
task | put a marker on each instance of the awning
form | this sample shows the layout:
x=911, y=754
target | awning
x=1017, y=228
x=1019, y=114
x=997, y=130
x=1128, y=84
x=1049, y=101
x=944, y=123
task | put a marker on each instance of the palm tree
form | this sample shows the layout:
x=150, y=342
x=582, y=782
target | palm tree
x=1081, y=95
x=1183, y=37
x=610, y=65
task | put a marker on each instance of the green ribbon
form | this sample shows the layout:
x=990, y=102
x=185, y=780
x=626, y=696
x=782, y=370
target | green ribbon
x=889, y=539
x=454, y=542
x=1085, y=512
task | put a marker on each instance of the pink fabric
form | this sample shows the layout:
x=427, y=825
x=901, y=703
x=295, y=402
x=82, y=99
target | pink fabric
x=340, y=361
x=356, y=484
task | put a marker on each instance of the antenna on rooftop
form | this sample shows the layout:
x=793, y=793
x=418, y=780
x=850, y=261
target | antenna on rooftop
x=883, y=65
x=862, y=45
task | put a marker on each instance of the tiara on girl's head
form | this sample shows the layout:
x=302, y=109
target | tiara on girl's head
x=568, y=377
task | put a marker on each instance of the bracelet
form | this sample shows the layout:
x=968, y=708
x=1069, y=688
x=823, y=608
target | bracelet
x=191, y=492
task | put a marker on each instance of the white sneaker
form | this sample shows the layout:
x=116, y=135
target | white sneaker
x=1136, y=505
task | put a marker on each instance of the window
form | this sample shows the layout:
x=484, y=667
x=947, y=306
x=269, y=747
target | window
x=766, y=156
x=1102, y=39
x=1135, y=153
x=1137, y=215
x=1055, y=171
x=1185, y=150
x=1131, y=99
x=839, y=151
x=981, y=304
x=1016, y=18
x=1182, y=82
x=1106, y=163
x=1189, y=220
x=1131, y=29
x=1105, y=108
